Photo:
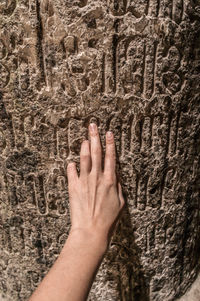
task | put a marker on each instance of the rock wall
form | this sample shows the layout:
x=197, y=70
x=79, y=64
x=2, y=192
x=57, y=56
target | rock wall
x=132, y=67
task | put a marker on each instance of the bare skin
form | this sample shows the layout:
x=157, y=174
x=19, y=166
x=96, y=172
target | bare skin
x=96, y=203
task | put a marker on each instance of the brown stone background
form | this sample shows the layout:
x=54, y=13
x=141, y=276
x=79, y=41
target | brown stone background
x=132, y=67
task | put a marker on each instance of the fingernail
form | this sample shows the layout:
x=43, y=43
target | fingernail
x=93, y=127
x=85, y=142
x=109, y=134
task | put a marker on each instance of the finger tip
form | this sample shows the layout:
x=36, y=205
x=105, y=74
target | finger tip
x=71, y=165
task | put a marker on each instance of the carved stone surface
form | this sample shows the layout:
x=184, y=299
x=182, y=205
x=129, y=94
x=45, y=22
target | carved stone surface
x=132, y=67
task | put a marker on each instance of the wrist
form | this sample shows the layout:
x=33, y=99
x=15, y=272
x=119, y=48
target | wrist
x=89, y=237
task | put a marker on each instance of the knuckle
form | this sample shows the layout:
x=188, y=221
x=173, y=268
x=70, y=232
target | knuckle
x=97, y=151
x=110, y=179
x=110, y=145
x=110, y=157
x=111, y=151
x=95, y=172
x=94, y=134
x=84, y=156
x=95, y=175
x=110, y=141
x=110, y=183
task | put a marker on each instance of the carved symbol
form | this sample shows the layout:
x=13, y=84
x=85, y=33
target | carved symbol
x=141, y=10
x=40, y=50
x=70, y=44
x=156, y=133
x=17, y=234
x=2, y=49
x=61, y=239
x=177, y=11
x=4, y=76
x=120, y=8
x=5, y=238
x=41, y=199
x=142, y=192
x=82, y=3
x=173, y=9
x=24, y=76
x=114, y=124
x=172, y=82
x=134, y=65
x=146, y=134
x=167, y=191
x=150, y=234
x=74, y=142
x=61, y=199
x=30, y=190
x=152, y=8
x=2, y=141
x=171, y=63
x=7, y=7
x=83, y=83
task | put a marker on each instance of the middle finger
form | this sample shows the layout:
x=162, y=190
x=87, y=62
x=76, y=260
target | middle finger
x=95, y=148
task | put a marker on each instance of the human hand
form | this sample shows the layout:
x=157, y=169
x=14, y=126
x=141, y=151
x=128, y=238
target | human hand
x=95, y=197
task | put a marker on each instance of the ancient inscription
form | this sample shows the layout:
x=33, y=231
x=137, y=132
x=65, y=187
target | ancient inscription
x=157, y=8
x=2, y=49
x=7, y=7
x=5, y=76
x=131, y=67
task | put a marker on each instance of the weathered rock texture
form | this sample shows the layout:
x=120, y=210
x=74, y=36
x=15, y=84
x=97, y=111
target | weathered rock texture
x=193, y=294
x=132, y=67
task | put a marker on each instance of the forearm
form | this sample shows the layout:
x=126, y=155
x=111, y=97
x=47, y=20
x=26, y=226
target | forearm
x=96, y=201
x=72, y=274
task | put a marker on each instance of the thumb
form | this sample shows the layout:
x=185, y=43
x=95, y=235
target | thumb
x=121, y=198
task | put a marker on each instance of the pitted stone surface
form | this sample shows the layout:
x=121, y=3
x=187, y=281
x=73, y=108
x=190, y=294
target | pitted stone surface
x=131, y=67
